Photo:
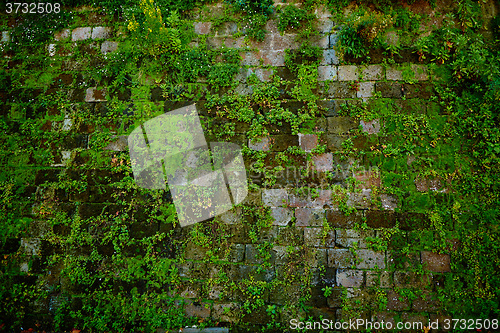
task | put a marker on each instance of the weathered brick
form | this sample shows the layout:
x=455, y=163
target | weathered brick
x=366, y=89
x=367, y=179
x=386, y=317
x=327, y=73
x=341, y=125
x=414, y=318
x=95, y=95
x=315, y=257
x=281, y=215
x=225, y=312
x=405, y=279
x=62, y=35
x=397, y=302
x=420, y=71
x=5, y=37
x=389, y=202
x=263, y=75
x=380, y=219
x=273, y=58
x=252, y=255
x=324, y=25
x=394, y=74
x=435, y=262
x=334, y=142
x=372, y=73
x=309, y=217
x=323, y=162
x=360, y=200
x=283, y=42
x=196, y=310
x=283, y=141
x=324, y=197
x=202, y=28
x=329, y=57
x=370, y=259
x=236, y=253
x=119, y=143
x=227, y=29
x=101, y=32
x=348, y=73
x=347, y=237
x=315, y=237
x=370, y=126
x=308, y=141
x=81, y=33
x=338, y=219
x=108, y=46
x=427, y=302
x=341, y=90
x=389, y=89
x=274, y=197
x=340, y=258
x=349, y=278
x=380, y=279
x=261, y=144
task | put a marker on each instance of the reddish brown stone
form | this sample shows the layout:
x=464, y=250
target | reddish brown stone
x=436, y=262
x=396, y=302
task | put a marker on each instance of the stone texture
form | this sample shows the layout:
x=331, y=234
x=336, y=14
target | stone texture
x=360, y=200
x=5, y=37
x=327, y=73
x=81, y=33
x=274, y=197
x=108, y=46
x=309, y=217
x=370, y=126
x=236, y=253
x=372, y=73
x=370, y=259
x=101, y=32
x=202, y=28
x=348, y=73
x=380, y=279
x=366, y=89
x=380, y=219
x=263, y=145
x=427, y=302
x=435, y=262
x=396, y=302
x=389, y=202
x=340, y=258
x=421, y=73
x=341, y=90
x=62, y=35
x=341, y=125
x=323, y=162
x=281, y=215
x=347, y=237
x=324, y=197
x=389, y=89
x=324, y=26
x=119, y=143
x=349, y=278
x=329, y=57
x=196, y=310
x=224, y=312
x=95, y=95
x=394, y=74
x=315, y=237
x=338, y=219
x=308, y=142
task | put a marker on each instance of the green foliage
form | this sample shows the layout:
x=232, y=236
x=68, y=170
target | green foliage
x=292, y=17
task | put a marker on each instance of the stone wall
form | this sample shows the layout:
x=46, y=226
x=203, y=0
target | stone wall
x=344, y=247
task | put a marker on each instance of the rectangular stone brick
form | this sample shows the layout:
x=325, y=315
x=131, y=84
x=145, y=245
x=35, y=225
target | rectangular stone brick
x=324, y=197
x=435, y=262
x=341, y=125
x=396, y=302
x=338, y=219
x=315, y=257
x=370, y=126
x=394, y=74
x=366, y=89
x=108, y=47
x=81, y=33
x=315, y=237
x=341, y=90
x=202, y=28
x=370, y=259
x=340, y=258
x=360, y=200
x=283, y=42
x=348, y=73
x=324, y=26
x=282, y=216
x=101, y=32
x=389, y=89
x=95, y=95
x=329, y=57
x=421, y=73
x=308, y=142
x=309, y=217
x=283, y=141
x=5, y=37
x=349, y=278
x=380, y=279
x=327, y=73
x=62, y=35
x=253, y=257
x=260, y=144
x=380, y=219
x=347, y=237
x=323, y=162
x=372, y=73
x=274, y=197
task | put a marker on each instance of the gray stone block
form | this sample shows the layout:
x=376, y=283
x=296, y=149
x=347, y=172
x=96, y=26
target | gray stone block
x=108, y=46
x=327, y=73
x=348, y=73
x=372, y=73
x=81, y=33
x=274, y=197
x=349, y=278
x=282, y=216
x=309, y=217
x=101, y=32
